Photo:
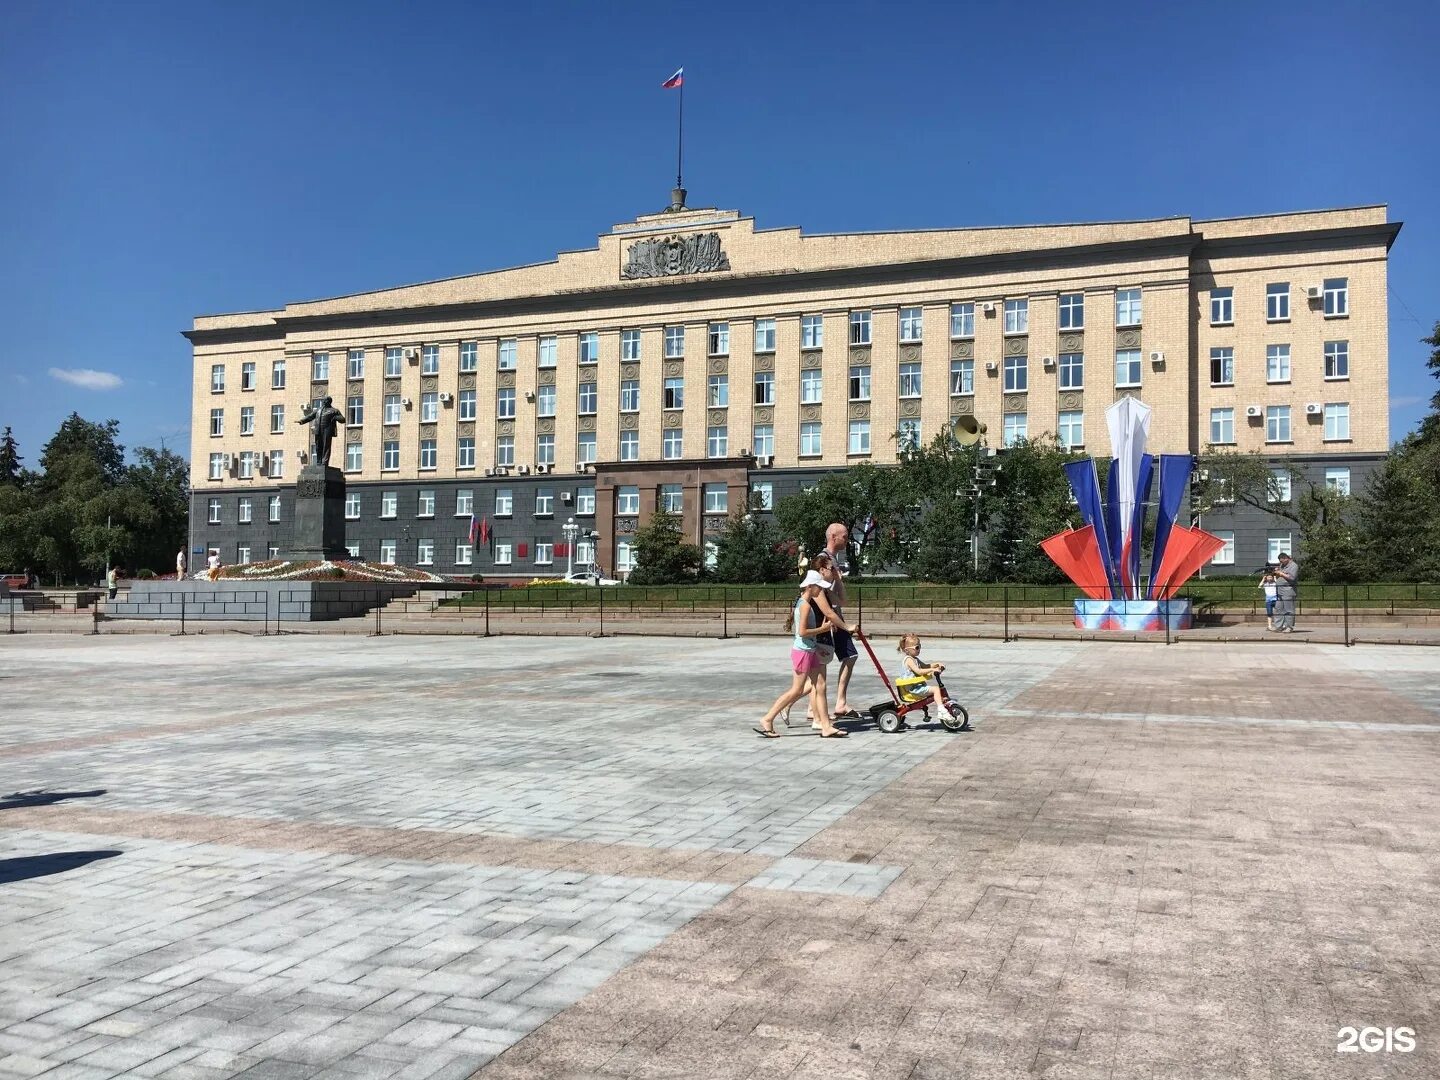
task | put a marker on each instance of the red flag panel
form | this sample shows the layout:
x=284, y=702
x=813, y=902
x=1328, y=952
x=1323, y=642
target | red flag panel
x=1077, y=553
x=1187, y=550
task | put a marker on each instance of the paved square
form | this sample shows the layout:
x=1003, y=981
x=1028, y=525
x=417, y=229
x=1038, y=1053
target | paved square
x=435, y=857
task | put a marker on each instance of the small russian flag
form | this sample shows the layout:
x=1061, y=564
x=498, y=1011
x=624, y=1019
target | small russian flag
x=474, y=529
x=678, y=79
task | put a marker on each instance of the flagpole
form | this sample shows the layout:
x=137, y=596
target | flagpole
x=680, y=140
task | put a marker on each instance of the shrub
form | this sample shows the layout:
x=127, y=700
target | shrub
x=145, y=575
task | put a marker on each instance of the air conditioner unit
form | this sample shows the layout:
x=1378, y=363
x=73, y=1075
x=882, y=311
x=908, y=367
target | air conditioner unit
x=567, y=497
x=992, y=366
x=1157, y=358
x=445, y=399
x=1314, y=292
x=1253, y=411
x=523, y=470
x=405, y=401
x=988, y=307
x=546, y=468
x=529, y=395
x=264, y=462
x=229, y=460
x=413, y=355
x=489, y=472
x=1049, y=361
x=1314, y=409
x=764, y=461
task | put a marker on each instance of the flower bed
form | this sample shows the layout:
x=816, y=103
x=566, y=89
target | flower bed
x=342, y=570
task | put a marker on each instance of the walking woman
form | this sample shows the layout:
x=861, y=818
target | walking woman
x=808, y=653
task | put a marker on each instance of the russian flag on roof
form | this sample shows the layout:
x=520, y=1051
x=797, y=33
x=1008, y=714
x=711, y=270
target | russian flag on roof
x=678, y=79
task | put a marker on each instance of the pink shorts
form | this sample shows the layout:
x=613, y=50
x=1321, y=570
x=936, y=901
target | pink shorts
x=804, y=662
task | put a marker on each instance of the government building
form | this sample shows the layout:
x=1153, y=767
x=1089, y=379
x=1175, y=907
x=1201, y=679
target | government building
x=692, y=361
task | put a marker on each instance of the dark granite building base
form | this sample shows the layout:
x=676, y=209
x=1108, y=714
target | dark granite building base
x=255, y=601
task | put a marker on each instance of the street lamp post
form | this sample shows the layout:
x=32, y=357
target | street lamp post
x=569, y=529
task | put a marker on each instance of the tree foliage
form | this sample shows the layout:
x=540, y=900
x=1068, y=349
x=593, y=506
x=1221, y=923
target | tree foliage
x=9, y=459
x=752, y=551
x=863, y=495
x=663, y=554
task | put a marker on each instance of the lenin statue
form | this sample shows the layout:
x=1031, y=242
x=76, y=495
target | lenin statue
x=326, y=419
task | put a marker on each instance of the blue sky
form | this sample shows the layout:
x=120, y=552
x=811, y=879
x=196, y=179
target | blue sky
x=162, y=160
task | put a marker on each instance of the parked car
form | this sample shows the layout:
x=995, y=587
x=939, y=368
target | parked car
x=588, y=577
x=16, y=581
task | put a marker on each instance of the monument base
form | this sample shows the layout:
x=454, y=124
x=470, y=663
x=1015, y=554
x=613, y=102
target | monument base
x=230, y=600
x=319, y=529
x=1133, y=615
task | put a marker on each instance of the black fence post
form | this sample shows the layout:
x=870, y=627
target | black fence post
x=487, y=612
x=1345, y=602
x=95, y=618
x=1165, y=617
x=377, y=623
x=1006, y=601
x=265, y=631
x=11, y=601
x=601, y=588
x=182, y=612
x=859, y=607
x=724, y=611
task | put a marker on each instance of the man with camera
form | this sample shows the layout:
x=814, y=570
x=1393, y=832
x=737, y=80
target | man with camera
x=1287, y=572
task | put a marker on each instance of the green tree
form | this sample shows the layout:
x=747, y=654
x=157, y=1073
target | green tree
x=1430, y=426
x=81, y=440
x=663, y=555
x=1032, y=502
x=160, y=479
x=1330, y=546
x=751, y=552
x=1397, y=521
x=9, y=459
x=861, y=494
x=1254, y=479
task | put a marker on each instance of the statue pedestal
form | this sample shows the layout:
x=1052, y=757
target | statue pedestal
x=319, y=529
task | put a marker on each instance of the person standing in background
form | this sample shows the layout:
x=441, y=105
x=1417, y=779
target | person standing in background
x=180, y=565
x=112, y=582
x=1287, y=574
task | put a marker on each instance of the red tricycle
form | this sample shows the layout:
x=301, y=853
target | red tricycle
x=890, y=715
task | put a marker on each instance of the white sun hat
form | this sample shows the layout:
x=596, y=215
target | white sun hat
x=814, y=577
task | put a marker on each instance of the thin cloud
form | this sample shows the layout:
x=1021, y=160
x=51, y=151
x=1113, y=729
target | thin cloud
x=87, y=378
x=1404, y=402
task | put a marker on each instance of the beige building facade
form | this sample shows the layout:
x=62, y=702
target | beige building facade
x=691, y=340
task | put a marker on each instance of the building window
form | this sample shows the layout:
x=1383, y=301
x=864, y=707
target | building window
x=394, y=359
x=1017, y=427
x=429, y=407
x=674, y=342
x=672, y=446
x=624, y=557
x=720, y=339
x=764, y=335
x=428, y=455
x=1277, y=491
x=505, y=403
x=585, y=448
x=1017, y=373
x=812, y=331
x=1337, y=359
x=242, y=554
x=217, y=466
x=1277, y=302
x=389, y=504
x=273, y=508
x=1277, y=363
x=912, y=324
x=424, y=551
x=1277, y=423
x=1127, y=307
x=1072, y=429
x=277, y=464
x=1337, y=479
x=463, y=552
x=672, y=498
x=320, y=367
x=810, y=439
x=717, y=442
x=629, y=344
x=353, y=550
x=247, y=376
x=217, y=423
x=1127, y=367
x=630, y=396
x=465, y=452
x=545, y=401
x=910, y=379
x=962, y=320
x=390, y=455
x=247, y=420
x=860, y=382
x=464, y=502
x=545, y=449
x=247, y=465
x=467, y=408
x=717, y=499
x=245, y=512
x=387, y=552
x=1222, y=307
x=585, y=500
x=1072, y=371
x=355, y=364
x=1222, y=367
x=213, y=512
x=544, y=553
x=355, y=411
x=1072, y=311
x=764, y=388
x=907, y=435
x=1222, y=426
x=589, y=347
x=674, y=393
x=1337, y=421
x=430, y=360
x=505, y=450
x=717, y=391
x=548, y=350
x=504, y=502
x=507, y=354
x=391, y=409
x=627, y=499
x=354, y=457
x=1226, y=555
x=859, y=437
x=629, y=446
x=588, y=396
x=544, y=502
x=1337, y=297
x=352, y=506
x=765, y=440
x=217, y=378
x=277, y=375
x=1017, y=316
x=810, y=387
x=1275, y=545
x=859, y=328
x=425, y=503
x=762, y=497
x=962, y=377
x=469, y=355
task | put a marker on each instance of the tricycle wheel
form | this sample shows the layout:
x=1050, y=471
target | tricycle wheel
x=888, y=721
x=958, y=720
